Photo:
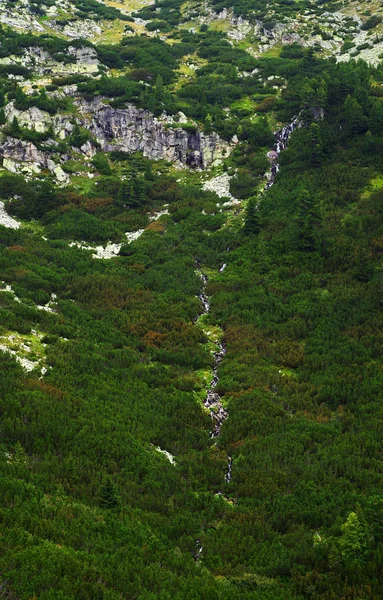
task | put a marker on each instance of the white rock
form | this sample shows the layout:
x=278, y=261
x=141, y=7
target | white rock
x=108, y=251
x=7, y=221
x=27, y=364
x=155, y=216
x=221, y=186
x=167, y=454
x=61, y=176
x=134, y=235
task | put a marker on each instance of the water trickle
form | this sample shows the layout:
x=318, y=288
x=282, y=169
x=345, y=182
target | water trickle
x=281, y=141
x=229, y=467
x=198, y=552
x=213, y=400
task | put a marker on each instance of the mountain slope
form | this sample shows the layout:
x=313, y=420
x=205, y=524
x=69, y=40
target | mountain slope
x=190, y=301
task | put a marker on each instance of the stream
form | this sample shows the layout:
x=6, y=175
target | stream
x=213, y=400
x=281, y=141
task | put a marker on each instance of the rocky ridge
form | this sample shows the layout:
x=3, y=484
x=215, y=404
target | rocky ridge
x=323, y=30
x=310, y=27
x=133, y=129
x=85, y=62
x=129, y=129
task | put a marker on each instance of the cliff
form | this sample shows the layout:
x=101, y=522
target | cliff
x=130, y=129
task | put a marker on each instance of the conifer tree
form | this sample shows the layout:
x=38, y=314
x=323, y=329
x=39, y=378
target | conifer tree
x=15, y=127
x=109, y=497
x=354, y=542
x=159, y=88
x=21, y=99
x=125, y=193
x=316, y=145
x=252, y=224
x=306, y=221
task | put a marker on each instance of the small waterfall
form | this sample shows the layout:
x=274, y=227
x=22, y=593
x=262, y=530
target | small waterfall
x=213, y=400
x=281, y=142
x=198, y=552
x=202, y=296
x=229, y=467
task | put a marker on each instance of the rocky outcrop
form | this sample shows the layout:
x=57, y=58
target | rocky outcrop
x=221, y=186
x=21, y=151
x=43, y=64
x=132, y=129
x=129, y=129
x=32, y=118
x=6, y=220
x=24, y=157
x=22, y=15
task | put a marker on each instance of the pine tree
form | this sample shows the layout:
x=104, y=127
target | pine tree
x=308, y=95
x=354, y=543
x=15, y=127
x=374, y=514
x=109, y=497
x=125, y=194
x=252, y=224
x=355, y=119
x=208, y=123
x=376, y=117
x=139, y=192
x=100, y=162
x=306, y=221
x=21, y=99
x=316, y=145
x=159, y=88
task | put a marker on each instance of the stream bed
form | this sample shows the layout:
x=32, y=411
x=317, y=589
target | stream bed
x=213, y=400
x=281, y=141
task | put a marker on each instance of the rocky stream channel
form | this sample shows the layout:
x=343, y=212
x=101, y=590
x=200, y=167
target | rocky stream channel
x=281, y=141
x=213, y=401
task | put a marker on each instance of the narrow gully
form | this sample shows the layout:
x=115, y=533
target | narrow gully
x=213, y=400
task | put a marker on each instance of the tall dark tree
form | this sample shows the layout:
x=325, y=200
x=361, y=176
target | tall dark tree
x=306, y=221
x=125, y=193
x=252, y=223
x=108, y=497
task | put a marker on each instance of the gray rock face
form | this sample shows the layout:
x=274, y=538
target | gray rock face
x=132, y=129
x=24, y=157
x=22, y=151
x=33, y=117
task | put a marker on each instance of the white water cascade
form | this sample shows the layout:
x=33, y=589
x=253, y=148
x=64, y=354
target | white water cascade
x=281, y=142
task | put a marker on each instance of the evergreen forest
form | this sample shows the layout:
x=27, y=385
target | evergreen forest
x=119, y=480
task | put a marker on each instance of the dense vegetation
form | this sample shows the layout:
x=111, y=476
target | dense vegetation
x=90, y=507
